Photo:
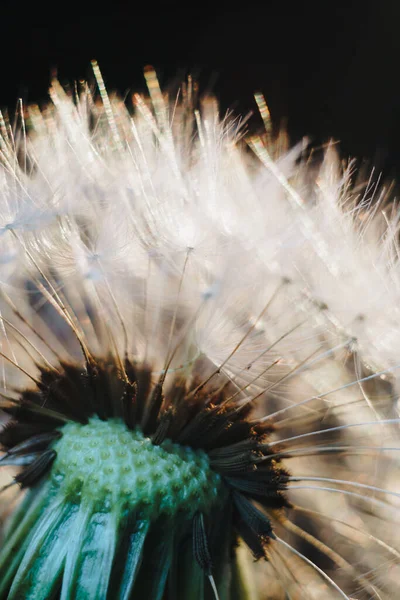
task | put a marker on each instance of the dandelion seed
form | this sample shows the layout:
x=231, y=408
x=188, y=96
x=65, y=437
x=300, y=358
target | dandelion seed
x=184, y=381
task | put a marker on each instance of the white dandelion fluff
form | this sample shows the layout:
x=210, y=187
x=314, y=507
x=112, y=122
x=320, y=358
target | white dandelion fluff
x=199, y=362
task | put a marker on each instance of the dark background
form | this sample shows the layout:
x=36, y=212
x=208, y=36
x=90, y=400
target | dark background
x=330, y=69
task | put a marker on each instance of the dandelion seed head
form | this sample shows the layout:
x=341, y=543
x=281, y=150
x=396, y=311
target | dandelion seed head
x=198, y=357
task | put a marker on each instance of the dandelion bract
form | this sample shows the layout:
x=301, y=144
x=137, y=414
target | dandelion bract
x=198, y=357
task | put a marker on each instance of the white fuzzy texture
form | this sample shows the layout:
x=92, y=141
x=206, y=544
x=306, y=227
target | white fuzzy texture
x=186, y=242
x=157, y=185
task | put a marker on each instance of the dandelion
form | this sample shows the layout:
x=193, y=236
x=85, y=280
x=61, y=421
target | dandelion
x=199, y=358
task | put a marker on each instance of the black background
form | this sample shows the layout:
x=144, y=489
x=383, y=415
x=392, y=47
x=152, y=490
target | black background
x=330, y=69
